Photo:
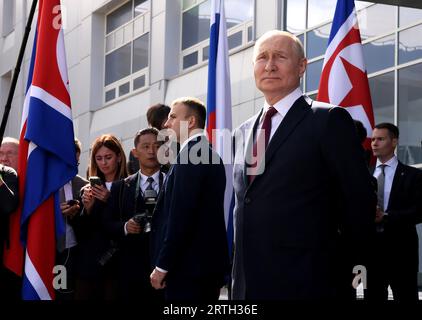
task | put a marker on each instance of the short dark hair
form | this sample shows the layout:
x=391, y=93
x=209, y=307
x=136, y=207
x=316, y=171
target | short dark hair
x=393, y=131
x=143, y=132
x=196, y=107
x=156, y=115
x=78, y=146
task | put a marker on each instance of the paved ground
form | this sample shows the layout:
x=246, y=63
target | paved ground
x=359, y=293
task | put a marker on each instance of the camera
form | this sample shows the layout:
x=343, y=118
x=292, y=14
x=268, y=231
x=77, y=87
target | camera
x=144, y=218
x=144, y=221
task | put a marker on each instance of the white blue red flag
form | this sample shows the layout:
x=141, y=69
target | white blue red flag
x=219, y=108
x=344, y=81
x=47, y=158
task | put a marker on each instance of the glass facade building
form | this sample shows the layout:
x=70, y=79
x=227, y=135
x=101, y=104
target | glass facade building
x=392, y=46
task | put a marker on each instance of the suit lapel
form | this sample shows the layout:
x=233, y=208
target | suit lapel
x=249, y=144
x=293, y=117
x=397, y=181
x=164, y=186
x=296, y=113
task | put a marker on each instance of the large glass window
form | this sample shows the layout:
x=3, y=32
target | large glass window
x=410, y=44
x=317, y=41
x=140, y=7
x=196, y=24
x=320, y=11
x=296, y=17
x=410, y=114
x=119, y=17
x=118, y=64
x=127, y=48
x=409, y=15
x=313, y=75
x=379, y=54
x=396, y=89
x=238, y=11
x=376, y=20
x=140, y=52
x=382, y=94
x=196, y=27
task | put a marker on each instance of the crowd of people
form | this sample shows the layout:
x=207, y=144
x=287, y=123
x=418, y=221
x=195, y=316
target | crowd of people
x=309, y=204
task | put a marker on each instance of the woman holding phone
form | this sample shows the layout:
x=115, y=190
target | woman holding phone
x=95, y=274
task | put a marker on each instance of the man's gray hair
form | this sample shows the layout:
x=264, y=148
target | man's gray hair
x=297, y=43
x=10, y=140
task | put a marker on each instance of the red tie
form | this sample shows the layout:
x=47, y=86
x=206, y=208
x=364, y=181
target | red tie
x=263, y=134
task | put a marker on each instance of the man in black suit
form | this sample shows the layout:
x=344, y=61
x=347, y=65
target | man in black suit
x=296, y=196
x=70, y=205
x=130, y=197
x=396, y=253
x=190, y=253
x=8, y=203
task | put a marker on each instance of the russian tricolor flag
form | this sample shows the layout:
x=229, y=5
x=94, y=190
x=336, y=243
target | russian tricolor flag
x=47, y=158
x=219, y=108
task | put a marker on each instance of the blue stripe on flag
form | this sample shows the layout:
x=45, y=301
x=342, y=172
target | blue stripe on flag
x=343, y=10
x=28, y=291
x=46, y=164
x=47, y=129
x=212, y=66
x=31, y=66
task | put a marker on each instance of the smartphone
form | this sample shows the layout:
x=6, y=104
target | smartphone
x=72, y=202
x=95, y=181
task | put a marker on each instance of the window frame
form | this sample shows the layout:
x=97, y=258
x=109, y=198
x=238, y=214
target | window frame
x=199, y=47
x=139, y=25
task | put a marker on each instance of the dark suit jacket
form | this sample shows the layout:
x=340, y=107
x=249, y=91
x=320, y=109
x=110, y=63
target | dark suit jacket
x=188, y=229
x=133, y=257
x=78, y=183
x=9, y=201
x=92, y=242
x=288, y=220
x=404, y=212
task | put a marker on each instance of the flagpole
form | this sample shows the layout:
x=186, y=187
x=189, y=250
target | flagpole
x=17, y=70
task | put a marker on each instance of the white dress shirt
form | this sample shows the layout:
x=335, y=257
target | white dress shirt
x=282, y=106
x=155, y=185
x=389, y=170
x=185, y=143
x=108, y=185
x=143, y=184
x=70, y=234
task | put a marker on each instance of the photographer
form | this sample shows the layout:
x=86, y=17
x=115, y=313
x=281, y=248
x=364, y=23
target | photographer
x=71, y=207
x=126, y=219
x=107, y=164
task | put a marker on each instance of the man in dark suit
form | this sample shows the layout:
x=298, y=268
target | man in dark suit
x=8, y=203
x=396, y=253
x=296, y=196
x=70, y=205
x=190, y=253
x=128, y=200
